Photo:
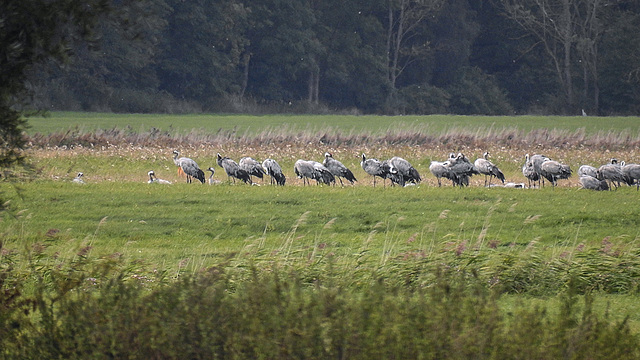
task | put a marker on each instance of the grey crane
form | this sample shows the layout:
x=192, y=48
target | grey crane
x=554, y=171
x=253, y=167
x=233, y=170
x=631, y=174
x=487, y=168
x=439, y=169
x=592, y=183
x=536, y=161
x=273, y=169
x=394, y=176
x=153, y=179
x=78, y=179
x=461, y=169
x=403, y=171
x=323, y=174
x=529, y=172
x=306, y=170
x=612, y=173
x=189, y=167
x=374, y=167
x=587, y=170
x=338, y=169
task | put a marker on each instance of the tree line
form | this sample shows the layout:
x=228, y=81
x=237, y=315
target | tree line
x=360, y=56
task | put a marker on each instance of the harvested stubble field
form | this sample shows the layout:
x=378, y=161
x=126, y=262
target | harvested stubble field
x=528, y=244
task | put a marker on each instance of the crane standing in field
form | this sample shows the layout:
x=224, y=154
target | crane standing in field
x=307, y=170
x=253, y=167
x=612, y=172
x=529, y=172
x=487, y=168
x=631, y=174
x=403, y=171
x=322, y=174
x=553, y=171
x=273, y=169
x=233, y=170
x=189, y=167
x=536, y=161
x=375, y=167
x=461, y=170
x=338, y=169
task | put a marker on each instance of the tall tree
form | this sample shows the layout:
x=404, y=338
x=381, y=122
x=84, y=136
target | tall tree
x=566, y=29
x=406, y=21
x=32, y=31
x=352, y=62
x=202, y=49
x=284, y=50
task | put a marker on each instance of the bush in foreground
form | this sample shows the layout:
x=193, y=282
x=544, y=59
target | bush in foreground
x=107, y=309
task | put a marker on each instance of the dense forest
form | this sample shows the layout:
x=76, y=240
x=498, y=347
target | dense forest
x=354, y=56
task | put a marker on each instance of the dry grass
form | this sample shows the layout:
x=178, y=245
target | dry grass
x=152, y=150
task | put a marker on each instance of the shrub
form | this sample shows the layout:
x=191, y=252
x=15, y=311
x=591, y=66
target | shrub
x=103, y=308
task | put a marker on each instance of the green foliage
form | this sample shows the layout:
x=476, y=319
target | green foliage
x=424, y=99
x=478, y=93
x=32, y=32
x=95, y=309
x=515, y=241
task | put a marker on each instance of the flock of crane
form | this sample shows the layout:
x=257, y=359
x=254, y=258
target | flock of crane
x=457, y=168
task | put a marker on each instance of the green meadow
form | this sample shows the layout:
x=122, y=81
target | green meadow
x=370, y=124
x=351, y=267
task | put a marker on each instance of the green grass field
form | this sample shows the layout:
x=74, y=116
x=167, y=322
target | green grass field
x=249, y=124
x=528, y=244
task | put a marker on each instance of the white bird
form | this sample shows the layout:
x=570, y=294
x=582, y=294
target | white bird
x=338, y=169
x=78, y=179
x=273, y=169
x=189, y=167
x=375, y=167
x=153, y=179
x=487, y=168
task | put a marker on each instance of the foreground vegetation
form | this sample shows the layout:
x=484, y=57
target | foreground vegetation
x=276, y=315
x=121, y=268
